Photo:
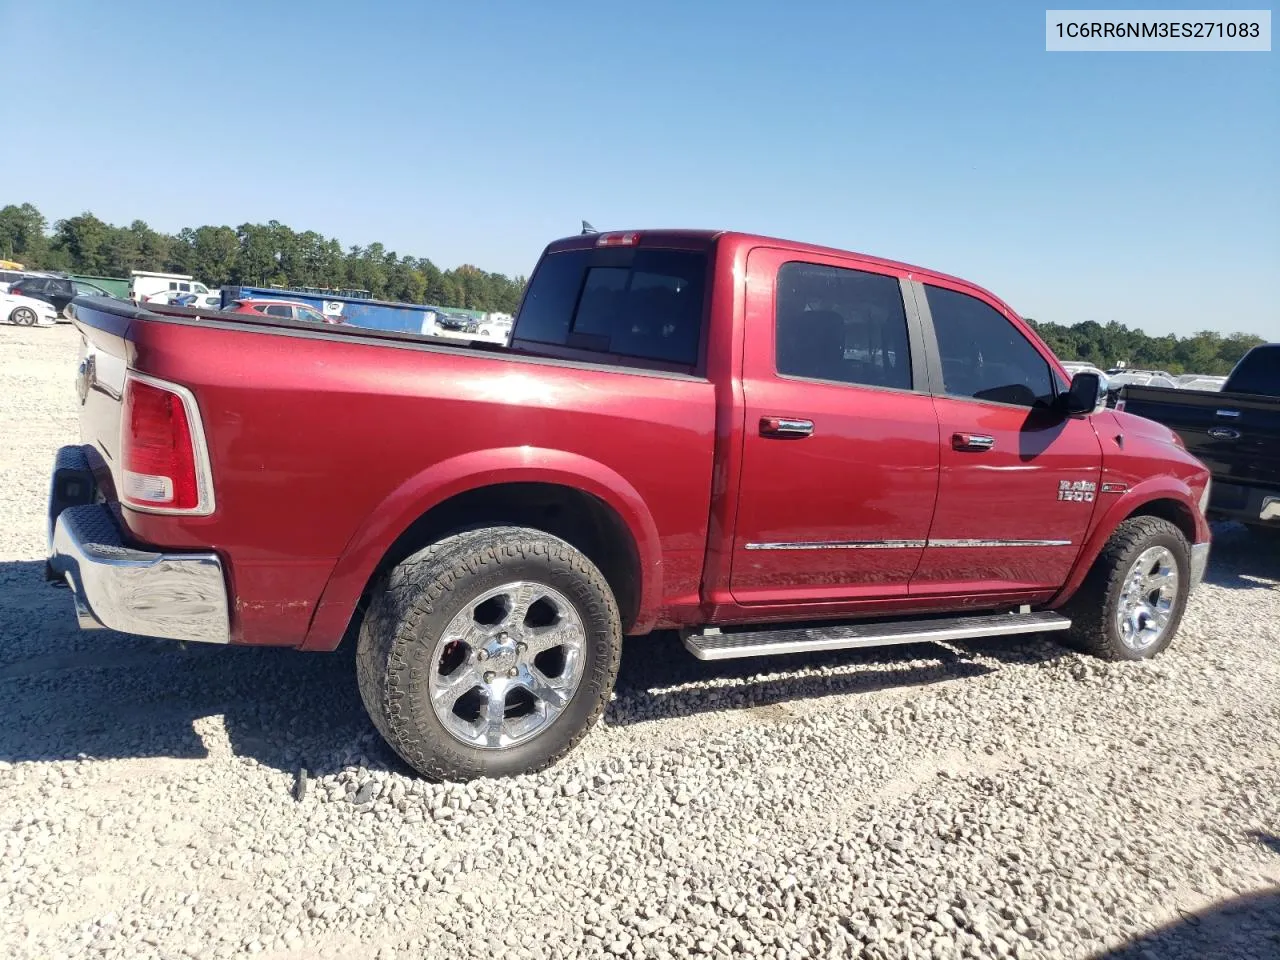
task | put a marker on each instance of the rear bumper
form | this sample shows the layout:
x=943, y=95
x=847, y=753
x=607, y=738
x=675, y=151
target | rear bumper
x=176, y=596
x=1253, y=505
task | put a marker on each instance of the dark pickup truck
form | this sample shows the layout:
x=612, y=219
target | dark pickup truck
x=1235, y=433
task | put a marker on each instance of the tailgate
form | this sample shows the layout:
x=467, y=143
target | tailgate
x=1236, y=435
x=104, y=356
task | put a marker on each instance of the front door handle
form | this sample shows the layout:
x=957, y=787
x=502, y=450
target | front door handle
x=972, y=441
x=1229, y=414
x=785, y=427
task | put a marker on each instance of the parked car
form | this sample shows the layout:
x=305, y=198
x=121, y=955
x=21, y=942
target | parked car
x=1076, y=366
x=769, y=446
x=1115, y=384
x=285, y=309
x=456, y=322
x=1234, y=429
x=26, y=311
x=1140, y=372
x=57, y=291
x=10, y=277
x=204, y=301
x=497, y=327
x=1202, y=383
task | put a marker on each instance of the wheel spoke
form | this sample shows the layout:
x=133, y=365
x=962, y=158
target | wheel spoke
x=556, y=635
x=523, y=597
x=495, y=710
x=447, y=689
x=547, y=689
x=465, y=630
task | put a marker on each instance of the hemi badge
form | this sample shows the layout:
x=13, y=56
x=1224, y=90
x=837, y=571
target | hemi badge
x=1114, y=487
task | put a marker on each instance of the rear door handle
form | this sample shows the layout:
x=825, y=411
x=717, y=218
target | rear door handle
x=972, y=441
x=785, y=427
x=1231, y=414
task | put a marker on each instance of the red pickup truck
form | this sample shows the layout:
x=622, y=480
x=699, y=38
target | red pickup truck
x=767, y=445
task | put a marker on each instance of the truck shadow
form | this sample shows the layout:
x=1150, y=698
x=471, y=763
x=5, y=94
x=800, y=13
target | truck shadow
x=658, y=678
x=73, y=694
x=1242, y=558
x=1246, y=926
x=70, y=693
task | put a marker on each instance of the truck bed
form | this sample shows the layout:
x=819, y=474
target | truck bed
x=322, y=440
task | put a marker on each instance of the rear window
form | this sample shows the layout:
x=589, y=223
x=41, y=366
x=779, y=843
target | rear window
x=1257, y=372
x=646, y=304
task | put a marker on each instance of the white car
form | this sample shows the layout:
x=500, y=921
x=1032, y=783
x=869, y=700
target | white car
x=26, y=311
x=205, y=301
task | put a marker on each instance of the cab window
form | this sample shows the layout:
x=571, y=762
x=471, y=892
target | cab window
x=840, y=325
x=984, y=356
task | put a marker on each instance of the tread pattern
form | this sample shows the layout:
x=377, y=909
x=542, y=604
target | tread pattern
x=393, y=689
x=1093, y=607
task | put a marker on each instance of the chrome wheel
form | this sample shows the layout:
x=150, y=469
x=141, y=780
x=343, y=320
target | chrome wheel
x=1147, y=598
x=507, y=665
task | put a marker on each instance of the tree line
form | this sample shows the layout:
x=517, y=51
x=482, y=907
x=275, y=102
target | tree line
x=252, y=254
x=1109, y=345
x=264, y=254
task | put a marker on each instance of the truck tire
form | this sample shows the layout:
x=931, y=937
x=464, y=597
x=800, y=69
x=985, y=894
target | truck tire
x=489, y=653
x=1131, y=602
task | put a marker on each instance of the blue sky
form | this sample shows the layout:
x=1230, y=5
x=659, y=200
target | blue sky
x=1143, y=188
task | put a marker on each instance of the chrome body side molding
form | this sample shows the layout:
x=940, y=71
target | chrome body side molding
x=899, y=544
x=839, y=545
x=999, y=543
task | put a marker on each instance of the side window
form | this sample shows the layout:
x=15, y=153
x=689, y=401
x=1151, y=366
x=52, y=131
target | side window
x=843, y=325
x=279, y=310
x=984, y=356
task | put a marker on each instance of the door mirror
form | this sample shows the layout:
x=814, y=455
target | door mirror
x=1088, y=394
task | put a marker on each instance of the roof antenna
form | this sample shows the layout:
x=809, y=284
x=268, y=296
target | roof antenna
x=588, y=228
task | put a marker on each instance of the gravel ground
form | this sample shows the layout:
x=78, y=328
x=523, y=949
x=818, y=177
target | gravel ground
x=990, y=799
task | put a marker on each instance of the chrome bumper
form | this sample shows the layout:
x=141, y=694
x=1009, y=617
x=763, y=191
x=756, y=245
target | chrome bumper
x=177, y=596
x=1199, y=561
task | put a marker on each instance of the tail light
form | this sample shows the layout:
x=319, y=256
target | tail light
x=163, y=455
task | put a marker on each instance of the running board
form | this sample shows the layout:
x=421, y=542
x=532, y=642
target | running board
x=711, y=644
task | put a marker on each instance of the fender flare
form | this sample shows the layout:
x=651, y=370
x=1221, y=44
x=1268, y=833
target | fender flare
x=1163, y=487
x=471, y=471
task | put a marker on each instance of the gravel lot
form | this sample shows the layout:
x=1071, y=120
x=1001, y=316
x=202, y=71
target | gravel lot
x=1000, y=798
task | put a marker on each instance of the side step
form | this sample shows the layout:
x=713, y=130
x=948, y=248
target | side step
x=711, y=644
